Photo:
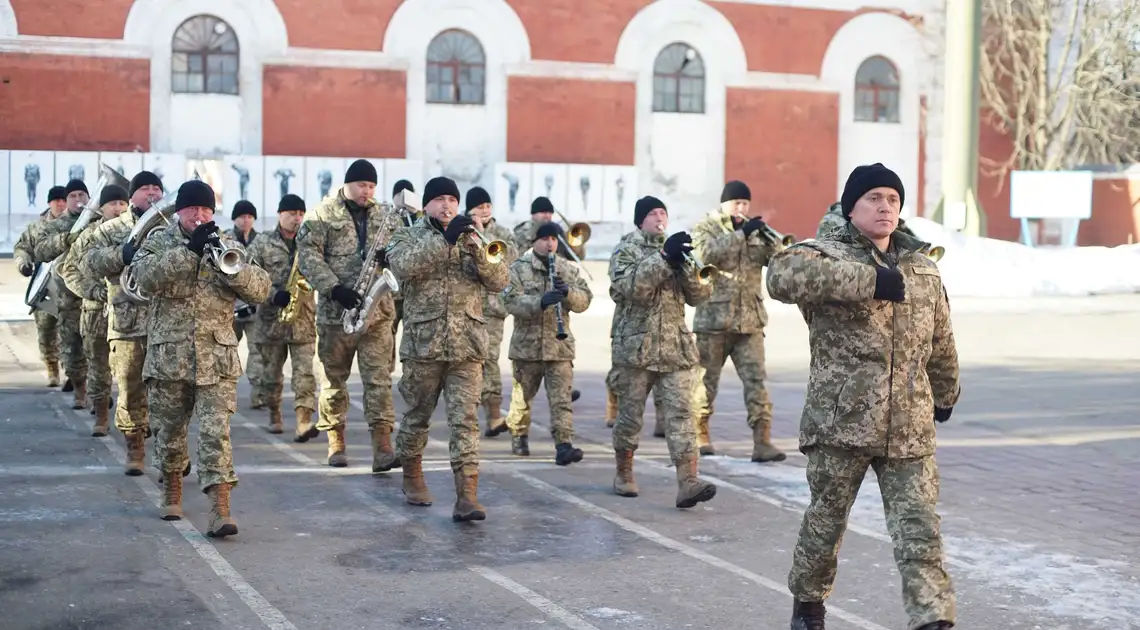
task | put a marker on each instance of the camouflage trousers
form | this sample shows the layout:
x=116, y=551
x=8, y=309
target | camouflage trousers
x=399, y=302
x=172, y=404
x=909, y=488
x=460, y=384
x=611, y=396
x=97, y=350
x=671, y=390
x=47, y=332
x=254, y=361
x=71, y=345
x=492, y=380
x=747, y=353
x=273, y=377
x=559, y=379
x=373, y=351
x=131, y=408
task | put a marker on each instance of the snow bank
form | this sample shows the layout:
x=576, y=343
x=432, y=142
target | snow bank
x=984, y=267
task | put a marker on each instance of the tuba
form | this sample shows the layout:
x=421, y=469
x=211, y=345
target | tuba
x=157, y=217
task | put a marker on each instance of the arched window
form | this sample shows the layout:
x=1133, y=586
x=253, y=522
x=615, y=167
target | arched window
x=456, y=69
x=679, y=80
x=877, y=91
x=205, y=57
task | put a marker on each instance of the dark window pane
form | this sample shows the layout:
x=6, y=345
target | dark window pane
x=455, y=69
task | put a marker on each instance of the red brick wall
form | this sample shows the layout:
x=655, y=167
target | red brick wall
x=104, y=19
x=575, y=30
x=334, y=112
x=993, y=191
x=1115, y=213
x=570, y=121
x=783, y=39
x=337, y=24
x=785, y=146
x=42, y=109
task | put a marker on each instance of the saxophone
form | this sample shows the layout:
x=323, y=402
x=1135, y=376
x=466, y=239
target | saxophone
x=297, y=286
x=368, y=286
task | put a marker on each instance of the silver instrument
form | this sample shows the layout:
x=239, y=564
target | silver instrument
x=156, y=217
x=228, y=260
x=374, y=282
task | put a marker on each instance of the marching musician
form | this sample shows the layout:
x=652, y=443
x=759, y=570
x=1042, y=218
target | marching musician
x=397, y=188
x=276, y=252
x=49, y=244
x=731, y=323
x=651, y=280
x=445, y=271
x=541, y=212
x=244, y=215
x=93, y=321
x=480, y=210
x=107, y=256
x=47, y=325
x=192, y=362
x=543, y=292
x=332, y=244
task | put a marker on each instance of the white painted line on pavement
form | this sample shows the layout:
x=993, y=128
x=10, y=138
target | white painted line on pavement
x=534, y=599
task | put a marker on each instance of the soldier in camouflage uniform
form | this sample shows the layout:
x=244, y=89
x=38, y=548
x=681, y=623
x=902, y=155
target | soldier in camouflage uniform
x=49, y=245
x=479, y=209
x=47, y=327
x=127, y=321
x=834, y=221
x=244, y=215
x=275, y=251
x=652, y=348
x=541, y=212
x=192, y=362
x=398, y=298
x=93, y=321
x=444, y=274
x=731, y=323
x=884, y=371
x=536, y=353
x=331, y=244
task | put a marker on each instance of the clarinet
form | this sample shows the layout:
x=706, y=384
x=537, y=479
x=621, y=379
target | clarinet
x=561, y=334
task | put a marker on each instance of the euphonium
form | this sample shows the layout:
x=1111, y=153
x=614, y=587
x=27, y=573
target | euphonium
x=493, y=250
x=296, y=286
x=156, y=217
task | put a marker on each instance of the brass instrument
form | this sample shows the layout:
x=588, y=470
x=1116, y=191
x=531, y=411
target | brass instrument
x=297, y=286
x=156, y=217
x=935, y=253
x=368, y=286
x=560, y=333
x=493, y=250
x=781, y=240
x=227, y=259
x=705, y=273
x=577, y=234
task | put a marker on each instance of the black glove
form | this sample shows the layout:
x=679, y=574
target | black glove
x=381, y=258
x=942, y=415
x=281, y=298
x=201, y=236
x=752, y=225
x=245, y=312
x=26, y=268
x=128, y=252
x=550, y=298
x=676, y=247
x=346, y=297
x=459, y=226
x=561, y=286
x=889, y=284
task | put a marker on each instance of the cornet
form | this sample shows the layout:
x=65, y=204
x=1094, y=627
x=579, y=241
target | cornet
x=493, y=250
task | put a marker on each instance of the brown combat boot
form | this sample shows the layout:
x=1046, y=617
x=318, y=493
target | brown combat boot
x=53, y=373
x=80, y=400
x=762, y=449
x=611, y=408
x=171, y=497
x=276, y=426
x=690, y=489
x=383, y=455
x=337, y=456
x=306, y=430
x=704, y=442
x=221, y=525
x=495, y=423
x=659, y=426
x=624, y=485
x=102, y=421
x=467, y=506
x=136, y=452
x=415, y=489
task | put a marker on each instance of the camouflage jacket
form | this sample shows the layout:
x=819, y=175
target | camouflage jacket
x=621, y=242
x=192, y=309
x=534, y=336
x=833, y=225
x=649, y=307
x=524, y=240
x=878, y=368
x=77, y=277
x=23, y=250
x=737, y=302
x=492, y=304
x=443, y=288
x=332, y=253
x=127, y=319
x=234, y=235
x=51, y=241
x=275, y=255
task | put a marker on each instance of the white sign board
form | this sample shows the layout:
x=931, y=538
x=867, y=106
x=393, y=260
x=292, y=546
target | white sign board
x=1050, y=194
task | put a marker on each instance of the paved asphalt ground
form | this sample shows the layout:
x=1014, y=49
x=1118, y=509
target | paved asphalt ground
x=1040, y=469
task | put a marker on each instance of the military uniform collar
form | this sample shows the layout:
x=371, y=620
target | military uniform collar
x=900, y=241
x=537, y=261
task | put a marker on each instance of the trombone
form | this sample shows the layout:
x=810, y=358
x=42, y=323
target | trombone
x=577, y=235
x=493, y=250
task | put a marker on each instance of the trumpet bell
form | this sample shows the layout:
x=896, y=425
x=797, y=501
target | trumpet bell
x=788, y=240
x=706, y=274
x=936, y=253
x=229, y=260
x=578, y=234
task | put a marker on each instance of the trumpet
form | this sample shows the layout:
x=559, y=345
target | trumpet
x=783, y=240
x=705, y=273
x=493, y=250
x=228, y=260
x=935, y=253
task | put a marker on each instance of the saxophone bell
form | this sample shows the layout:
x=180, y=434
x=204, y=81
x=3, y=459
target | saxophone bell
x=355, y=318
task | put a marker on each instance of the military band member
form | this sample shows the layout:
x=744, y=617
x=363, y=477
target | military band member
x=192, y=362
x=398, y=298
x=536, y=353
x=93, y=319
x=731, y=323
x=884, y=369
x=332, y=243
x=50, y=244
x=275, y=251
x=652, y=348
x=541, y=212
x=47, y=327
x=444, y=273
x=479, y=208
x=244, y=215
x=127, y=320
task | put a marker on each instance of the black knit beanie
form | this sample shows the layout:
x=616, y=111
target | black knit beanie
x=865, y=178
x=145, y=178
x=734, y=190
x=243, y=207
x=476, y=197
x=74, y=185
x=439, y=186
x=195, y=193
x=291, y=202
x=112, y=192
x=360, y=171
x=541, y=204
x=57, y=192
x=644, y=206
x=548, y=229
x=402, y=185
